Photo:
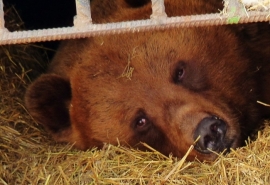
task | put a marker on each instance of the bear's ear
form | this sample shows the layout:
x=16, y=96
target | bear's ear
x=47, y=100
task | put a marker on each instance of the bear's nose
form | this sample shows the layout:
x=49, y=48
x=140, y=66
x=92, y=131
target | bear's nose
x=211, y=131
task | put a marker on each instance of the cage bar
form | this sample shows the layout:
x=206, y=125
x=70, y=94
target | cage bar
x=83, y=17
x=2, y=20
x=158, y=9
x=233, y=13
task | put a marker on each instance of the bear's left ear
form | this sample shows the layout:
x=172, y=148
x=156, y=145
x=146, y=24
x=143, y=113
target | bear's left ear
x=47, y=100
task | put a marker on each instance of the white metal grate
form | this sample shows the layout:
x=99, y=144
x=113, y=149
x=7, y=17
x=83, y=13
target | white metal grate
x=234, y=12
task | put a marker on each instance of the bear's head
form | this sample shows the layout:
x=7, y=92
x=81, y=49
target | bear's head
x=164, y=88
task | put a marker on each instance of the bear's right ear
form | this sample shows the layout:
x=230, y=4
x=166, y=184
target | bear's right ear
x=47, y=100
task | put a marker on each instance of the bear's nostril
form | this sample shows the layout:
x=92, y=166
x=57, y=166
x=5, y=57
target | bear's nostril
x=213, y=127
x=211, y=131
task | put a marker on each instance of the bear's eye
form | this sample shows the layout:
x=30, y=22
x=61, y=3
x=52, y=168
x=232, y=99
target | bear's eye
x=141, y=122
x=179, y=75
x=179, y=72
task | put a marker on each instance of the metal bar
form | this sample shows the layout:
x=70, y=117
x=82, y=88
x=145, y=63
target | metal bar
x=2, y=20
x=83, y=17
x=233, y=13
x=158, y=9
x=131, y=26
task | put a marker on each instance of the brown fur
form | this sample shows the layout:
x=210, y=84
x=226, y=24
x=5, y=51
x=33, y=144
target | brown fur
x=84, y=99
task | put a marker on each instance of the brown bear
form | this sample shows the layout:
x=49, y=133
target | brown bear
x=165, y=88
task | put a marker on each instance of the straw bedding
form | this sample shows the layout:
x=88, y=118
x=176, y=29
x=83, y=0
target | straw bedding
x=29, y=156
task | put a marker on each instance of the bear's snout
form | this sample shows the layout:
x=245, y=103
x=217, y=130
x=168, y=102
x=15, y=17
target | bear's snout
x=211, y=132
